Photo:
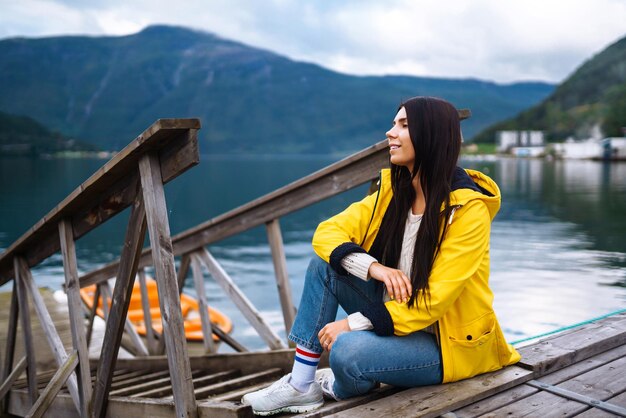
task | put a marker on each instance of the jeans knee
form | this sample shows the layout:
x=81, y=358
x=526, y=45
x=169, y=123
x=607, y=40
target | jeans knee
x=343, y=355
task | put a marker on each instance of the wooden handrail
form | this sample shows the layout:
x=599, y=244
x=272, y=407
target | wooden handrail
x=108, y=191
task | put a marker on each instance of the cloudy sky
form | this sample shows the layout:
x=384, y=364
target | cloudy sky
x=500, y=40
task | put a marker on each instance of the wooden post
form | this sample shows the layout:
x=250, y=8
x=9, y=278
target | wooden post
x=203, y=306
x=72, y=288
x=169, y=298
x=133, y=242
x=282, y=278
x=29, y=349
x=47, y=326
x=10, y=345
x=183, y=269
x=243, y=303
x=147, y=317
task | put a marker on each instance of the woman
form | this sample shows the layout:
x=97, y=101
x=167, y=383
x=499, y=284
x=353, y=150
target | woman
x=410, y=265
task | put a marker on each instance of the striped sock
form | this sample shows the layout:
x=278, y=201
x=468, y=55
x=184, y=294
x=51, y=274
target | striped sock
x=304, y=367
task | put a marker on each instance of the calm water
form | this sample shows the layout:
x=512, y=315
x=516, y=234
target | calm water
x=558, y=243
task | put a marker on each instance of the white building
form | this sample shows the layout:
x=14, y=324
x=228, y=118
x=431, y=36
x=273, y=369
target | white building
x=506, y=140
x=578, y=150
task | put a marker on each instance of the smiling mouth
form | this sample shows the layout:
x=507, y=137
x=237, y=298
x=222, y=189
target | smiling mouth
x=394, y=147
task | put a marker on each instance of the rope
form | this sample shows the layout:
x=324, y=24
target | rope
x=619, y=311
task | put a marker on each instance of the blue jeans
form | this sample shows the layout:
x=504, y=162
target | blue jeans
x=361, y=359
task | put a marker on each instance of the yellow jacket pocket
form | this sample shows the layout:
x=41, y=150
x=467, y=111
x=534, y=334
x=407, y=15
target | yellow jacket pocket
x=474, y=347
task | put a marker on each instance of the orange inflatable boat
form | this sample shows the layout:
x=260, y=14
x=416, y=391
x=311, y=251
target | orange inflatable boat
x=189, y=307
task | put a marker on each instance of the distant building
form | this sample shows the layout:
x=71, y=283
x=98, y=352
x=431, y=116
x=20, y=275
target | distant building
x=588, y=149
x=507, y=141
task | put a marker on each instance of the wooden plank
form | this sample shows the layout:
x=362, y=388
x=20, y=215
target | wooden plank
x=212, y=409
x=250, y=362
x=41, y=241
x=169, y=298
x=573, y=346
x=600, y=383
x=150, y=384
x=53, y=388
x=282, y=277
x=12, y=377
x=137, y=378
x=48, y=328
x=29, y=348
x=432, y=401
x=331, y=407
x=10, y=341
x=350, y=172
x=203, y=306
x=147, y=317
x=231, y=384
x=117, y=407
x=522, y=391
x=135, y=234
x=166, y=390
x=241, y=301
x=74, y=304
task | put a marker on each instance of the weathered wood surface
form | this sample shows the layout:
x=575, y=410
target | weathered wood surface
x=601, y=383
x=522, y=391
x=77, y=323
x=203, y=306
x=53, y=388
x=31, y=359
x=432, y=401
x=282, y=277
x=557, y=360
x=106, y=192
x=574, y=345
x=12, y=377
x=167, y=285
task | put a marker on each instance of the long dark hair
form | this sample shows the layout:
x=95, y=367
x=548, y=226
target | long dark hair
x=435, y=132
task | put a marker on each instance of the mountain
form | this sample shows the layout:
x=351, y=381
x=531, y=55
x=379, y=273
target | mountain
x=108, y=89
x=593, y=96
x=22, y=135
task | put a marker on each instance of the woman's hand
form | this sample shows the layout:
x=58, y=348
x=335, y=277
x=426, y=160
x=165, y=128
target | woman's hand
x=397, y=283
x=329, y=333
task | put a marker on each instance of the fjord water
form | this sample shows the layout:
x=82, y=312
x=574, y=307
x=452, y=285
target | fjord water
x=558, y=249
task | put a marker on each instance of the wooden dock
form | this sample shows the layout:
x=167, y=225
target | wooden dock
x=580, y=372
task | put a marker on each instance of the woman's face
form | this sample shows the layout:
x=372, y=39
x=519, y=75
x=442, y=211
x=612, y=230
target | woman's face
x=401, y=148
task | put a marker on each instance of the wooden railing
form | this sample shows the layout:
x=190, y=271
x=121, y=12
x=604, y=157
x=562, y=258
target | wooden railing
x=133, y=177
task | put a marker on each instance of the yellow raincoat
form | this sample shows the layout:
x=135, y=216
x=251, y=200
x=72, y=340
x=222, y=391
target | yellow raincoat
x=461, y=302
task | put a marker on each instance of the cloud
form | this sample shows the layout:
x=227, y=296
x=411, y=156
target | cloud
x=488, y=39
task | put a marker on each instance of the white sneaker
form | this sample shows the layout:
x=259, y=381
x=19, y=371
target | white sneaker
x=326, y=378
x=280, y=396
